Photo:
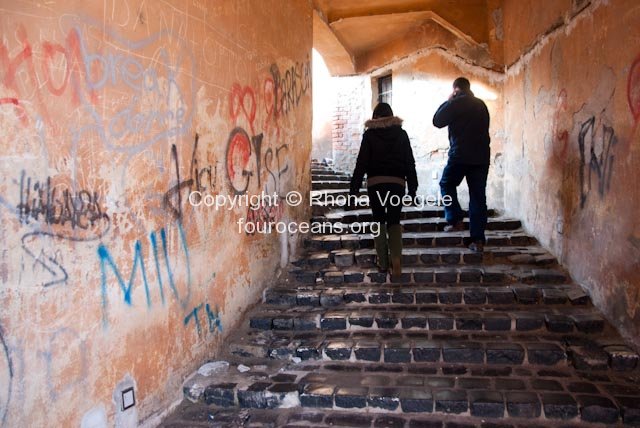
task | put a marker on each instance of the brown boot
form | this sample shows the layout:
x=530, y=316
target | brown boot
x=382, y=249
x=395, y=248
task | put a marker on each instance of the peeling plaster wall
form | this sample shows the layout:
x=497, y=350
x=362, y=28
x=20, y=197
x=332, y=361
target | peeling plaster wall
x=420, y=84
x=324, y=100
x=572, y=151
x=111, y=113
x=352, y=109
x=429, y=34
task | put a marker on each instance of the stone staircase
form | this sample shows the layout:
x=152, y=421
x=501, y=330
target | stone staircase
x=498, y=339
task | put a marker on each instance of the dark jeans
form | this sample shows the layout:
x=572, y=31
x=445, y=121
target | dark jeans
x=477, y=181
x=386, y=202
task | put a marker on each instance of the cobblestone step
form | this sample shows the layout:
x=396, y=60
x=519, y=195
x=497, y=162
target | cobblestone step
x=201, y=414
x=422, y=296
x=317, y=184
x=425, y=239
x=557, y=320
x=431, y=224
x=330, y=177
x=452, y=352
x=347, y=216
x=592, y=352
x=429, y=256
x=527, y=394
x=450, y=275
x=322, y=169
x=502, y=338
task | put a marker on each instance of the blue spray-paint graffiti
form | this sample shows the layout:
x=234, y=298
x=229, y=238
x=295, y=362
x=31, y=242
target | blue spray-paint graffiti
x=138, y=259
x=107, y=263
x=159, y=106
x=66, y=362
x=6, y=374
x=213, y=318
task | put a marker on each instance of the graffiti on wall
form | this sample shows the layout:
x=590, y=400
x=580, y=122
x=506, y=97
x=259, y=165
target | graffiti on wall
x=108, y=121
x=127, y=94
x=44, y=203
x=246, y=163
x=66, y=362
x=54, y=211
x=247, y=158
x=290, y=86
x=17, y=108
x=150, y=102
x=256, y=160
x=6, y=378
x=211, y=319
x=108, y=264
x=202, y=178
x=633, y=90
x=596, y=157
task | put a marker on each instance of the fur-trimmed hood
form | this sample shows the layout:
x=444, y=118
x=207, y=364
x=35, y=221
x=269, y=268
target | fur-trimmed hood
x=383, y=122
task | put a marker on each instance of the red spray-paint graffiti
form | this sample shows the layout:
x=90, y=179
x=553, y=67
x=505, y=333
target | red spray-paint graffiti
x=242, y=100
x=238, y=155
x=73, y=61
x=633, y=89
x=19, y=110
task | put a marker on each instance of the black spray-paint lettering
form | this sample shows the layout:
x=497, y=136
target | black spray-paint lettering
x=40, y=202
x=201, y=179
x=592, y=163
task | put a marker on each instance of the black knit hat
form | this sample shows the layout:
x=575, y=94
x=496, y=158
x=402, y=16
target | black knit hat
x=462, y=83
x=382, y=110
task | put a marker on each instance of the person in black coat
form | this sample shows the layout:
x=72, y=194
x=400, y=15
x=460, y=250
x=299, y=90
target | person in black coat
x=387, y=159
x=468, y=120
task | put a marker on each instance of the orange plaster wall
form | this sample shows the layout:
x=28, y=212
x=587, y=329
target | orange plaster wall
x=572, y=151
x=108, y=276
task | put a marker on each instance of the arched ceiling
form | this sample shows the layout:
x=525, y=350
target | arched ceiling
x=358, y=36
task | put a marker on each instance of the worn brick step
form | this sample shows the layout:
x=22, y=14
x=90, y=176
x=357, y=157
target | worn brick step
x=365, y=402
x=321, y=176
x=364, y=215
x=190, y=414
x=529, y=258
x=328, y=195
x=407, y=213
x=426, y=239
x=461, y=351
x=347, y=216
x=331, y=193
x=440, y=275
x=591, y=353
x=323, y=169
x=444, y=255
x=330, y=184
x=332, y=202
x=539, y=377
x=419, y=351
x=421, y=295
x=562, y=321
x=428, y=224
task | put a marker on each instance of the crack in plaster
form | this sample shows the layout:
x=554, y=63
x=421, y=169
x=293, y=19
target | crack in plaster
x=565, y=24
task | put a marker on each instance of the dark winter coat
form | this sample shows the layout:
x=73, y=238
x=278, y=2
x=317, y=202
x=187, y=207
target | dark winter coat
x=385, y=151
x=468, y=120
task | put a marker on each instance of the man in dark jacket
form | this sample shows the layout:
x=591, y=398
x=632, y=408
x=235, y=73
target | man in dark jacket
x=387, y=159
x=468, y=120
